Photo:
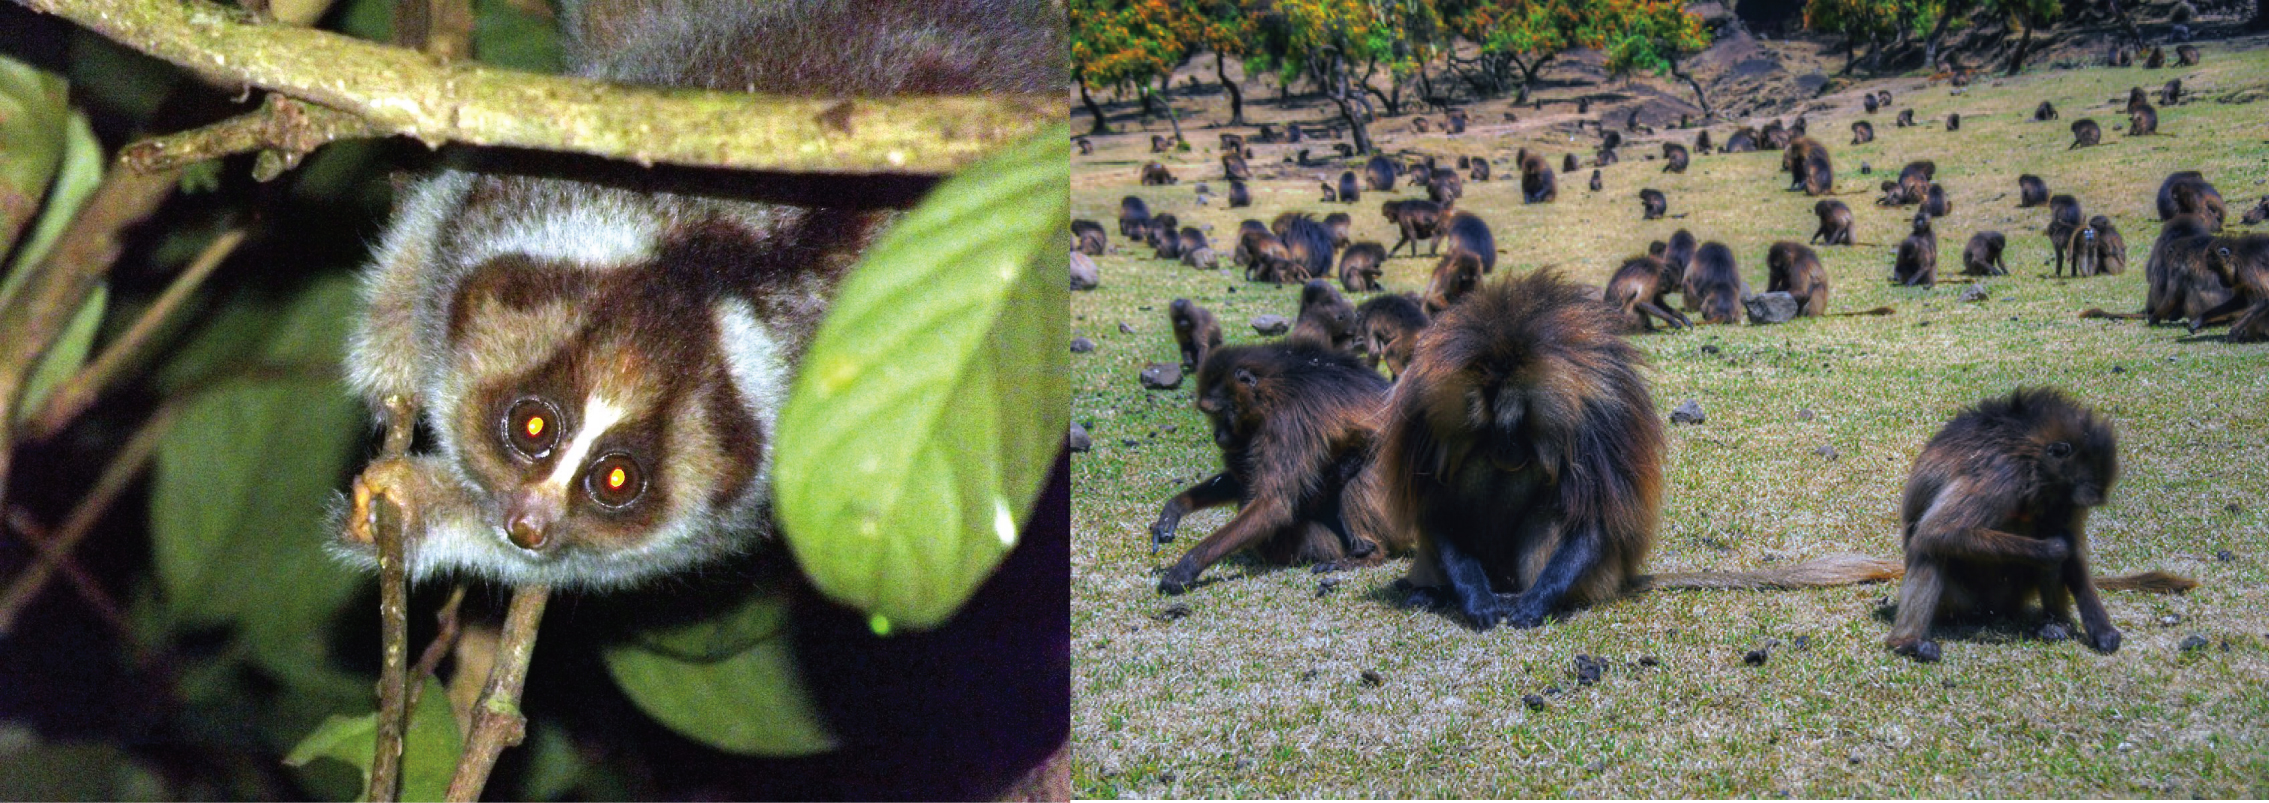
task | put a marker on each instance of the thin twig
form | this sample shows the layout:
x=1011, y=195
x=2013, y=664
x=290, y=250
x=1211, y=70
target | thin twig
x=282, y=129
x=115, y=477
x=444, y=640
x=390, y=527
x=42, y=541
x=408, y=93
x=71, y=398
x=497, y=723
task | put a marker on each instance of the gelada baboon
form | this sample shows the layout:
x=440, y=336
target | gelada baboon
x=1196, y=332
x=1995, y=517
x=2179, y=274
x=2171, y=94
x=1675, y=157
x=1868, y=101
x=1680, y=255
x=1934, y=201
x=1595, y=183
x=1160, y=143
x=1742, y=140
x=1954, y=121
x=1806, y=161
x=2241, y=263
x=1862, y=132
x=1537, y=183
x=1883, y=98
x=2157, y=59
x=1640, y=288
x=1470, y=233
x=2064, y=218
x=1190, y=241
x=1089, y=238
x=2258, y=213
x=1330, y=195
x=1652, y=204
x=1835, y=223
x=2185, y=55
x=1568, y=163
x=1306, y=243
x=1296, y=427
x=1086, y=148
x=1445, y=187
x=1605, y=157
x=1906, y=118
x=1155, y=174
x=1917, y=262
x=2045, y=111
x=1239, y=196
x=1796, y=270
x=1379, y=172
x=1610, y=140
x=2135, y=100
x=1233, y=167
x=1134, y=217
x=2188, y=192
x=2031, y=191
x=1454, y=122
x=2085, y=134
x=1982, y=256
x=1326, y=319
x=2143, y=121
x=1390, y=325
x=1338, y=223
x=1713, y=282
x=1360, y=266
x=1418, y=220
x=2102, y=247
x=1455, y=277
x=1702, y=141
x=1480, y=171
x=1163, y=235
x=1349, y=191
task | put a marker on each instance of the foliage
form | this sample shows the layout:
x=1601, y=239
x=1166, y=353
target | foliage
x=1643, y=35
x=1116, y=43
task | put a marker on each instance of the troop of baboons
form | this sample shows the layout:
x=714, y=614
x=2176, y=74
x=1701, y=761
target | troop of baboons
x=1512, y=445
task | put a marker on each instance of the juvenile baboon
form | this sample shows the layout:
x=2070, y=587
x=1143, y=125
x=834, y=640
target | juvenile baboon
x=2031, y=191
x=1610, y=140
x=1775, y=136
x=2171, y=94
x=2186, y=55
x=1465, y=231
x=1523, y=450
x=1868, y=101
x=1360, y=266
x=2122, y=56
x=1799, y=127
x=1583, y=105
x=1934, y=201
x=2085, y=134
x=1568, y=164
x=1390, y=325
x=1631, y=123
x=1917, y=262
x=1349, y=192
x=1913, y=185
x=2064, y=218
x=1454, y=122
x=2241, y=263
x=1982, y=256
x=2143, y=121
x=1293, y=135
x=1233, y=167
x=1675, y=157
x=1239, y=196
x=1086, y=148
x=1196, y=331
x=2258, y=213
x=1418, y=220
x=1295, y=423
x=1835, y=223
x=1906, y=118
x=2188, y=192
x=1454, y=278
x=2136, y=99
x=2180, y=274
x=1338, y=223
x=1191, y=239
x=1134, y=217
x=1862, y=132
x=1652, y=204
x=1595, y=183
x=1806, y=161
x=2045, y=111
x=1714, y=278
x=1883, y=98
x=2107, y=250
x=1326, y=319
x=1165, y=237
x=1480, y=170
x=1995, y=515
x=1537, y=182
x=1641, y=289
x=1796, y=270
x=1680, y=256
x=1702, y=141
x=1418, y=124
x=2157, y=59
x=1089, y=238
x=1379, y=173
x=1954, y=121
x=1331, y=195
x=1445, y=187
x=1155, y=174
x=1160, y=143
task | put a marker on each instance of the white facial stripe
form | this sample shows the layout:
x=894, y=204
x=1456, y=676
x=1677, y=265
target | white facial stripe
x=756, y=359
x=599, y=233
x=598, y=416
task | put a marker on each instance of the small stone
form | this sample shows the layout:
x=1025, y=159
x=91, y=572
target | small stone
x=1806, y=414
x=1167, y=776
x=1648, y=660
x=2193, y=643
x=2170, y=620
x=1081, y=345
x=1371, y=678
x=1124, y=329
x=1588, y=669
x=1802, y=643
x=1710, y=349
x=1172, y=612
x=2233, y=508
x=1162, y=376
x=1973, y=293
x=1271, y=324
x=1311, y=674
x=1129, y=442
x=1084, y=273
x=1755, y=657
x=1865, y=168
x=2126, y=747
x=1170, y=429
x=1534, y=702
x=2225, y=556
x=1826, y=451
x=1325, y=587
x=1770, y=308
x=1688, y=412
x=1080, y=441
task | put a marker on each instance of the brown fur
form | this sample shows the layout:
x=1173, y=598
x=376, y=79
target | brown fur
x=1796, y=270
x=1917, y=262
x=1454, y=277
x=1088, y=237
x=1360, y=266
x=1595, y=183
x=1326, y=319
x=2085, y=134
x=1239, y=196
x=1982, y=256
x=1641, y=289
x=1389, y=327
x=1537, y=182
x=1862, y=132
x=2045, y=111
x=1652, y=204
x=2031, y=191
x=1835, y=223
x=1954, y=122
x=1196, y=331
x=2157, y=59
x=1713, y=281
x=1568, y=163
x=1675, y=157
x=1995, y=516
x=2064, y=218
x=1906, y=118
x=2180, y=275
x=1155, y=174
x=2171, y=93
x=2258, y=213
x=1806, y=161
x=1233, y=167
x=1338, y=223
x=1296, y=427
x=2186, y=55
x=2188, y=192
x=2241, y=263
x=1934, y=201
x=1417, y=220
x=2143, y=121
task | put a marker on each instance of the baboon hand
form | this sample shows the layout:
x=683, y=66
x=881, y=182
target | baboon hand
x=2053, y=631
x=1162, y=531
x=1923, y=650
x=1179, y=578
x=2106, y=642
x=1521, y=611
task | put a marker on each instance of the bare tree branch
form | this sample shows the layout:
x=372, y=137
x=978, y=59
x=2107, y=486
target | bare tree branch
x=497, y=723
x=408, y=93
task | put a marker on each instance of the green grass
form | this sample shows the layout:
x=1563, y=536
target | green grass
x=1259, y=690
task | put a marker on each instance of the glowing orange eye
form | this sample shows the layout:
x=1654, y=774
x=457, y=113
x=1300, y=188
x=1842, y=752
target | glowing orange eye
x=614, y=480
x=528, y=427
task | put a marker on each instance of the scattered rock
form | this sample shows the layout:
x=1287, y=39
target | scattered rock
x=1167, y=776
x=1124, y=329
x=1973, y=293
x=2225, y=556
x=1170, y=429
x=2233, y=508
x=1588, y=669
x=2119, y=369
x=1080, y=441
x=2192, y=643
x=1084, y=274
x=1081, y=345
x=1755, y=657
x=1826, y=451
x=1535, y=703
x=1371, y=678
x=1688, y=412
x=1271, y=324
x=1770, y=308
x=1311, y=674
x=1710, y=348
x=1172, y=612
x=1162, y=376
x=1865, y=168
x=2170, y=620
x=1802, y=642
x=1325, y=587
x=1129, y=442
x=1648, y=660
x=1806, y=414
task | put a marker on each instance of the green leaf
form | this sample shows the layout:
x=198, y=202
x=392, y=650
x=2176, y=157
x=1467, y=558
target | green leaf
x=68, y=354
x=930, y=407
x=33, y=107
x=31, y=769
x=748, y=701
x=508, y=35
x=75, y=179
x=429, y=750
x=243, y=477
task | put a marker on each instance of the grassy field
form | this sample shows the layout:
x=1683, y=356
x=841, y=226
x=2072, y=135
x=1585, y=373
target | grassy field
x=1276, y=682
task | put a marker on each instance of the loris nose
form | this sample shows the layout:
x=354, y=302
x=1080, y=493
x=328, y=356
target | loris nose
x=529, y=517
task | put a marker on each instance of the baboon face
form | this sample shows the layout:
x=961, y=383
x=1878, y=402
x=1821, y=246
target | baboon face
x=1225, y=392
x=1922, y=223
x=2081, y=460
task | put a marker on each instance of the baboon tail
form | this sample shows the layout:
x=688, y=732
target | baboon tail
x=1875, y=311
x=1836, y=570
x=2098, y=312
x=2154, y=582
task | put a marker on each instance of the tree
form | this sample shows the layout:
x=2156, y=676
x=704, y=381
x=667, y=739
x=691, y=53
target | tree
x=1324, y=38
x=1227, y=28
x=1515, y=34
x=1648, y=35
x=1120, y=43
x=1871, y=21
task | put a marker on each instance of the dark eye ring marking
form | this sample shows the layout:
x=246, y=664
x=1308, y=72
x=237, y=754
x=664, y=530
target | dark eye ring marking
x=531, y=427
x=614, y=481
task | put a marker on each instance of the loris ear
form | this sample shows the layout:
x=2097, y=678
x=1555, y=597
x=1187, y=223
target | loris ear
x=516, y=284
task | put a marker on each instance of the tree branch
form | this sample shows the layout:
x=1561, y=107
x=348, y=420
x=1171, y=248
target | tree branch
x=283, y=130
x=115, y=477
x=408, y=93
x=497, y=723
